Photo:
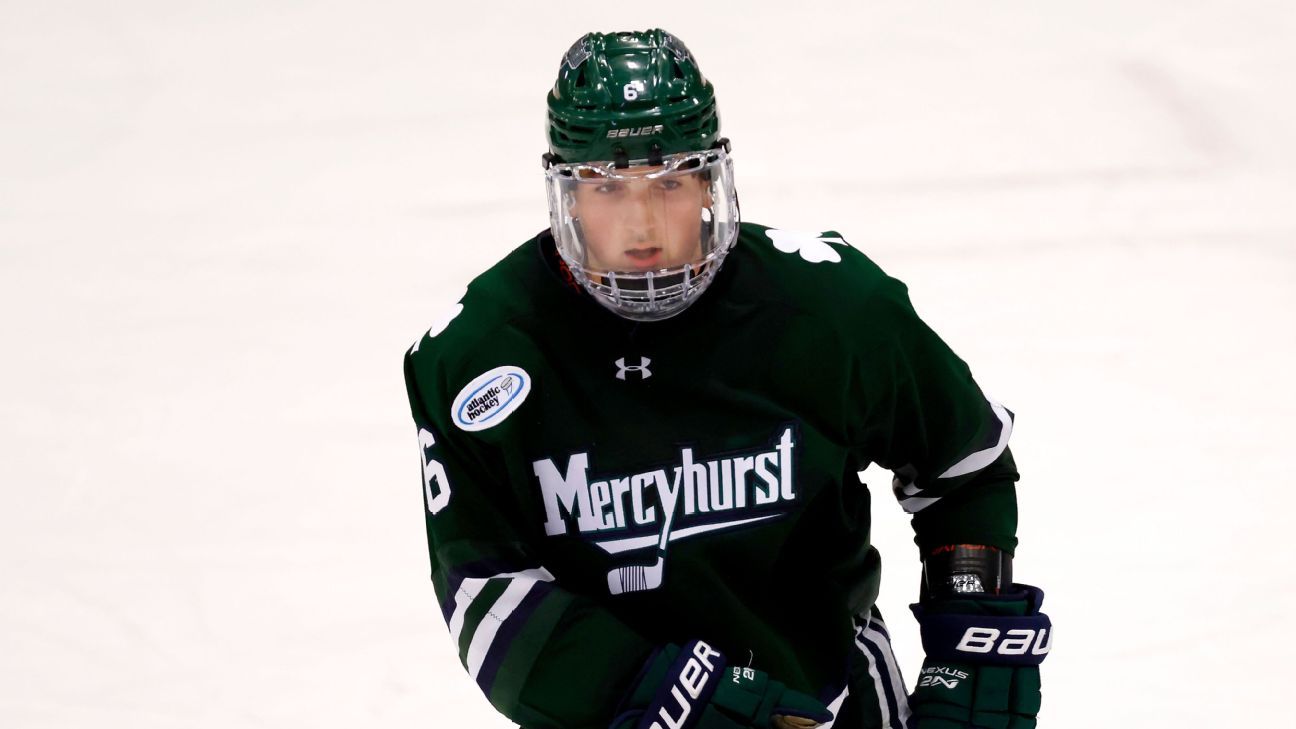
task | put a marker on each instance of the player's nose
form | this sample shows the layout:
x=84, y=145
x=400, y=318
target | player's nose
x=640, y=215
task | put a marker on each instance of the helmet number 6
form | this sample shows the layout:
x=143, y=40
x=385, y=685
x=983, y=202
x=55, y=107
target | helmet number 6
x=632, y=90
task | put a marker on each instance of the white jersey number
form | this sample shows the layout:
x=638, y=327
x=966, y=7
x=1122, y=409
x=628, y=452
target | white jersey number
x=436, y=486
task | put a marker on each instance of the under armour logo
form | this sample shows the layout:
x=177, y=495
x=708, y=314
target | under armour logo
x=641, y=368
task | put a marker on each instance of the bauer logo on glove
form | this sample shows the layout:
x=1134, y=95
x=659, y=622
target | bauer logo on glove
x=1013, y=643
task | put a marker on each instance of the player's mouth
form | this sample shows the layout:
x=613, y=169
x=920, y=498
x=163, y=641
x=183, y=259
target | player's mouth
x=644, y=258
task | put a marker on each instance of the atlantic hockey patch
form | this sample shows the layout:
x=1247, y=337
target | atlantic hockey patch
x=490, y=398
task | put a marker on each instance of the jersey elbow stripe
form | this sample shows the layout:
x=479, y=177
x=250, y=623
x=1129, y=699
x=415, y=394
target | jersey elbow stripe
x=507, y=634
x=914, y=499
x=910, y=497
x=518, y=585
x=480, y=571
x=979, y=460
x=915, y=505
x=488, y=629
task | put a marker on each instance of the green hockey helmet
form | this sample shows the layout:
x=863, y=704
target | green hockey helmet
x=641, y=196
x=629, y=96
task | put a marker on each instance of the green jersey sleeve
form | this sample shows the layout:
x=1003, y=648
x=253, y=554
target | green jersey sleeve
x=543, y=656
x=926, y=419
x=863, y=366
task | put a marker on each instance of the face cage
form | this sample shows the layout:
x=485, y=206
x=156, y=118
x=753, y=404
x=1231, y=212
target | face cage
x=648, y=295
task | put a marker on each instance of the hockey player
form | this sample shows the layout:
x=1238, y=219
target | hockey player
x=640, y=435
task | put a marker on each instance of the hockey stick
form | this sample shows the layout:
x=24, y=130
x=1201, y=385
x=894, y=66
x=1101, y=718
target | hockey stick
x=641, y=577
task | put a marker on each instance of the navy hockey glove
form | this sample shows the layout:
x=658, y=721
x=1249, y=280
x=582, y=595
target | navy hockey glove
x=692, y=688
x=983, y=656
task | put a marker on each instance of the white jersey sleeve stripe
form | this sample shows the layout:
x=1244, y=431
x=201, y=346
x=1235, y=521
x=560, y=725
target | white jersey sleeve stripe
x=463, y=598
x=472, y=587
x=835, y=707
x=508, y=601
x=915, y=505
x=981, y=459
x=914, y=499
x=876, y=675
x=891, y=669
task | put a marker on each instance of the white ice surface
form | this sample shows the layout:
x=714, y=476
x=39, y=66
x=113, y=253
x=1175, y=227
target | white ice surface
x=221, y=223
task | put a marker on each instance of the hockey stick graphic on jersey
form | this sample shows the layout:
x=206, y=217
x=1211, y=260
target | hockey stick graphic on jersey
x=640, y=577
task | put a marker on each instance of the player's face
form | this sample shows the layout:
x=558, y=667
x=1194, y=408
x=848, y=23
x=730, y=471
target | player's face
x=641, y=224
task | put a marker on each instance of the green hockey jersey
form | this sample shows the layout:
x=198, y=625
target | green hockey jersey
x=595, y=487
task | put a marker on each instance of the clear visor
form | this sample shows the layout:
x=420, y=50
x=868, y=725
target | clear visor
x=645, y=237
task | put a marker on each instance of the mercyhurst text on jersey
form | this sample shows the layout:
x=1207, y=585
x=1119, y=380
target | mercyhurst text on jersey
x=596, y=487
x=737, y=483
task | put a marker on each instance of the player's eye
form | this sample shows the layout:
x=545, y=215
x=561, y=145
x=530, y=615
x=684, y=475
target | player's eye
x=669, y=184
x=609, y=188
